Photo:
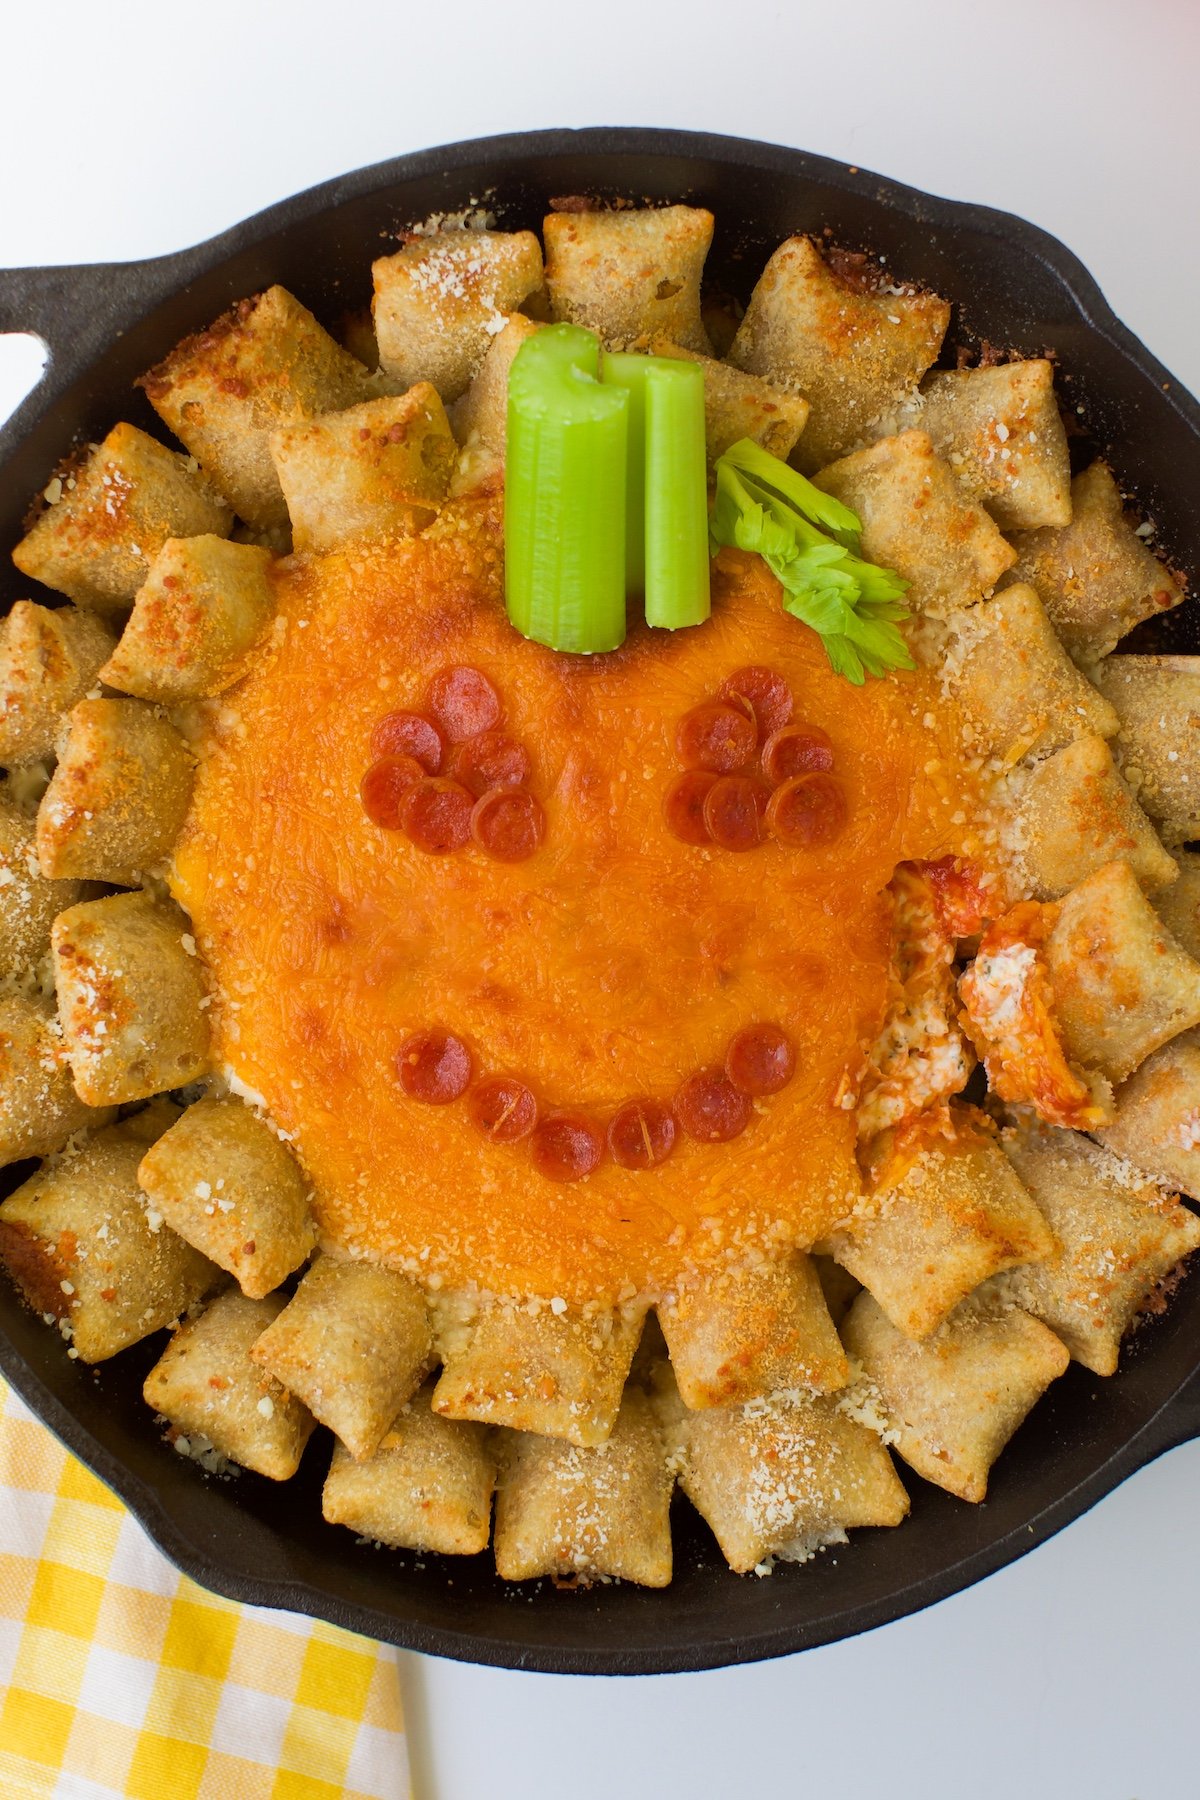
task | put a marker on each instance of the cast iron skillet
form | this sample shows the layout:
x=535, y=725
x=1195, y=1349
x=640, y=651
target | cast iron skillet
x=256, y=1541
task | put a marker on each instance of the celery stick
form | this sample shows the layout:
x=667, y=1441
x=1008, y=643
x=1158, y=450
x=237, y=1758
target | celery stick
x=622, y=369
x=564, y=507
x=677, y=566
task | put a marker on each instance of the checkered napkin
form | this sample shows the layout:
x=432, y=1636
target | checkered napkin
x=119, y=1677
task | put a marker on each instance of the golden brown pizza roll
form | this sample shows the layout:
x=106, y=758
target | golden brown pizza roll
x=440, y=300
x=1095, y=576
x=205, y=1385
x=629, y=275
x=580, y=1513
x=742, y=1331
x=107, y=517
x=956, y=1216
x=79, y=1242
x=1072, y=814
x=853, y=348
x=1121, y=985
x=480, y=416
x=780, y=1477
x=1000, y=431
x=39, y=1108
x=1157, y=701
x=1019, y=691
x=1118, y=1235
x=354, y=1342
x=203, y=606
x=224, y=1181
x=1157, y=1122
x=953, y=1400
x=130, y=989
x=117, y=799
x=376, y=470
x=427, y=1487
x=916, y=520
x=49, y=658
x=740, y=405
x=1178, y=904
x=551, y=1370
x=263, y=364
x=29, y=903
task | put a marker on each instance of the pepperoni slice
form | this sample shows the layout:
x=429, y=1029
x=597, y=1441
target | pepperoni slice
x=437, y=815
x=641, y=1134
x=409, y=734
x=767, y=693
x=683, y=806
x=489, y=760
x=797, y=750
x=716, y=736
x=733, y=812
x=508, y=823
x=710, y=1109
x=434, y=1066
x=807, y=811
x=760, y=1059
x=385, y=788
x=503, y=1108
x=566, y=1146
x=463, y=702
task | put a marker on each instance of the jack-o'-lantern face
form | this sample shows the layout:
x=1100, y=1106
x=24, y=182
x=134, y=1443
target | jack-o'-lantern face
x=533, y=1010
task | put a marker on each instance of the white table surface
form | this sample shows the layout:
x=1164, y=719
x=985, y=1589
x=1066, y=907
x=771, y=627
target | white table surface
x=131, y=129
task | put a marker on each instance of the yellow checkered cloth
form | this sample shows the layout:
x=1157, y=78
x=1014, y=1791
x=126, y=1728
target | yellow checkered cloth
x=119, y=1676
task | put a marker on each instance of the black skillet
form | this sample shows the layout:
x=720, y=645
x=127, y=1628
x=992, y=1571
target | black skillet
x=260, y=1542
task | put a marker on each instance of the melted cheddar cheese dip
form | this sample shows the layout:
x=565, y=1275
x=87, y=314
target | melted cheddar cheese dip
x=613, y=963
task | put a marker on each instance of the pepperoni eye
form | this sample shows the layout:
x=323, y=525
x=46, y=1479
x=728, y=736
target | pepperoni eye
x=409, y=734
x=508, y=823
x=807, y=811
x=710, y=1109
x=434, y=1066
x=760, y=1059
x=437, y=815
x=797, y=750
x=641, y=1134
x=733, y=812
x=463, y=702
x=716, y=736
x=683, y=806
x=566, y=1146
x=491, y=760
x=767, y=693
x=503, y=1108
x=385, y=788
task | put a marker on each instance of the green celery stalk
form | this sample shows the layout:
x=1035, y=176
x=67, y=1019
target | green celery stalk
x=564, y=504
x=620, y=369
x=668, y=486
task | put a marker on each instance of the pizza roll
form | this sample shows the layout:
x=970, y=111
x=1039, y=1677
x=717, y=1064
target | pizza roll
x=428, y=1486
x=224, y=1181
x=106, y=519
x=1073, y=814
x=205, y=1385
x=263, y=364
x=39, y=1108
x=741, y=1332
x=49, y=658
x=630, y=275
x=376, y=470
x=740, y=405
x=1000, y=431
x=29, y=903
x=953, y=1400
x=203, y=606
x=440, y=300
x=1096, y=578
x=354, y=1343
x=1178, y=904
x=1019, y=691
x=916, y=520
x=852, y=349
x=480, y=416
x=1157, y=1122
x=1118, y=1235
x=780, y=1477
x=129, y=998
x=560, y=1373
x=1157, y=701
x=78, y=1240
x=956, y=1216
x=1121, y=985
x=579, y=1513
x=119, y=796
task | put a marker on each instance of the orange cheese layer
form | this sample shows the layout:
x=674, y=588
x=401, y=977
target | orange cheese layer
x=613, y=963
